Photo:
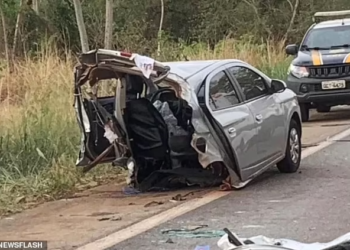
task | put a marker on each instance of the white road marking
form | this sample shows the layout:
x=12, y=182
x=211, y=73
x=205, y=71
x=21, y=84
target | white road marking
x=172, y=213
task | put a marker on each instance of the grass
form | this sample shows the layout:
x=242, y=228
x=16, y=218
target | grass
x=39, y=136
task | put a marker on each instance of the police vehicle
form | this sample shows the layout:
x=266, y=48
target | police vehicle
x=320, y=71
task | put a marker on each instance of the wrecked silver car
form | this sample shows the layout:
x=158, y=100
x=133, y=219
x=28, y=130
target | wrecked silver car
x=184, y=123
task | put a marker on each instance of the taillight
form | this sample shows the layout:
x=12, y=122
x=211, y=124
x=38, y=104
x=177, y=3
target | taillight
x=125, y=54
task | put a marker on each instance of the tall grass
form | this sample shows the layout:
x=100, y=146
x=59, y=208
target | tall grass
x=39, y=137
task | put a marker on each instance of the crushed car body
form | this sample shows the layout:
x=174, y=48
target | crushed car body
x=152, y=119
x=231, y=241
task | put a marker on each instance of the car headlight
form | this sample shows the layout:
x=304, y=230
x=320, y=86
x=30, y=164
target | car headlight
x=298, y=71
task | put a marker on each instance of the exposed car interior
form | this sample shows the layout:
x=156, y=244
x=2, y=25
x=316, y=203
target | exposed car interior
x=159, y=132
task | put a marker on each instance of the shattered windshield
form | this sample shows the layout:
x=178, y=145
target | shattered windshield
x=325, y=38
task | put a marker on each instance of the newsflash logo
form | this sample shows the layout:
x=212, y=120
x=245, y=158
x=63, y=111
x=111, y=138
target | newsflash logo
x=10, y=245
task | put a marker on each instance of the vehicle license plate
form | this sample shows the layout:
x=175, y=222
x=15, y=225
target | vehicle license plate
x=338, y=84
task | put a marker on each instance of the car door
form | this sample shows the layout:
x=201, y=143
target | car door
x=267, y=113
x=235, y=119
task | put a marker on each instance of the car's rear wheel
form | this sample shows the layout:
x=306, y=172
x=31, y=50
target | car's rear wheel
x=323, y=109
x=305, y=112
x=291, y=162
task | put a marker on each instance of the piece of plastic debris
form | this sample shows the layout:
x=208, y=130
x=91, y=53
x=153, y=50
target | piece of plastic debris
x=169, y=241
x=145, y=64
x=193, y=228
x=191, y=232
x=202, y=248
x=188, y=228
x=130, y=191
x=110, y=135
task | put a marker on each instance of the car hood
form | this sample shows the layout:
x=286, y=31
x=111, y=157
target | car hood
x=322, y=57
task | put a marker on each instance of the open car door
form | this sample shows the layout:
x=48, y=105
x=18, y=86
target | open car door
x=231, y=120
x=103, y=133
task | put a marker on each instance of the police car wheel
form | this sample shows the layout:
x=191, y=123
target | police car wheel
x=305, y=112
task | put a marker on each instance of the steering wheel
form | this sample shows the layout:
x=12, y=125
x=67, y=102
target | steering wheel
x=157, y=94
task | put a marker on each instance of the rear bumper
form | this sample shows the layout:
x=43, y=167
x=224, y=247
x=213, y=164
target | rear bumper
x=315, y=94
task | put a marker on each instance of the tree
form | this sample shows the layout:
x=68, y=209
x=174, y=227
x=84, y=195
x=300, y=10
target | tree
x=18, y=23
x=294, y=10
x=36, y=6
x=81, y=26
x=160, y=26
x=4, y=32
x=109, y=25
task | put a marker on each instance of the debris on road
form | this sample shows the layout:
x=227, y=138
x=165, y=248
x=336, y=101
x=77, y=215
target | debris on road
x=169, y=241
x=309, y=145
x=130, y=191
x=113, y=218
x=226, y=184
x=191, y=232
x=180, y=197
x=154, y=203
x=202, y=248
x=100, y=214
x=230, y=241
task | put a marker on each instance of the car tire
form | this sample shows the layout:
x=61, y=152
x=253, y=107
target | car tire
x=305, y=112
x=323, y=109
x=291, y=161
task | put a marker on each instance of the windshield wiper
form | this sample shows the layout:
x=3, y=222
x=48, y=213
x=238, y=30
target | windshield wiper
x=313, y=48
x=347, y=45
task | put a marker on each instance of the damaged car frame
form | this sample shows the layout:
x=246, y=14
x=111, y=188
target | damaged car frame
x=184, y=123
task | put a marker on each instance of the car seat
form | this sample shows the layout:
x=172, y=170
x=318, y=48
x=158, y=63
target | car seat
x=148, y=133
x=181, y=150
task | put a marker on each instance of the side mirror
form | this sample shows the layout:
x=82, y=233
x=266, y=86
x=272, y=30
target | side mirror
x=292, y=49
x=278, y=86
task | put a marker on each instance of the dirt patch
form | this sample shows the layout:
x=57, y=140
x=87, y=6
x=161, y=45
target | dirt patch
x=89, y=215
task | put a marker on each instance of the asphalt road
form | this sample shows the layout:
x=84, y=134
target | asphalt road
x=312, y=205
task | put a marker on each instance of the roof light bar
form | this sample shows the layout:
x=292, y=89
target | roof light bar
x=330, y=14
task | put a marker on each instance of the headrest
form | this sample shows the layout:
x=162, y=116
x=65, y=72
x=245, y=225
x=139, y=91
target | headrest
x=134, y=84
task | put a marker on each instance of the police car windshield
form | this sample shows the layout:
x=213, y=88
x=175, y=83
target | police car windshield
x=327, y=37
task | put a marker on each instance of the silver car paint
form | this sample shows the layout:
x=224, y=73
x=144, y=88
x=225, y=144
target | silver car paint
x=257, y=146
